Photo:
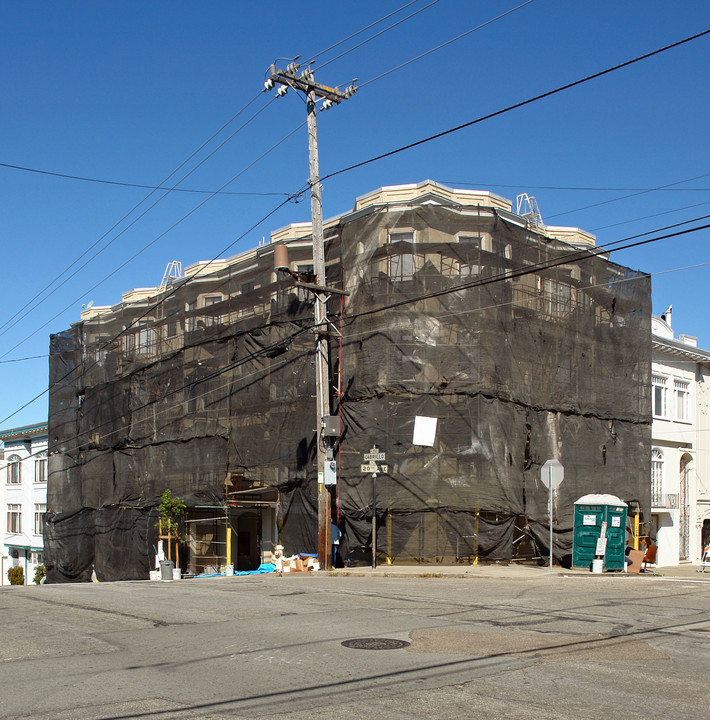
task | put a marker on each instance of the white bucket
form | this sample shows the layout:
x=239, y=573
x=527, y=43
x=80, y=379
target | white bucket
x=229, y=570
x=597, y=566
x=176, y=574
x=154, y=574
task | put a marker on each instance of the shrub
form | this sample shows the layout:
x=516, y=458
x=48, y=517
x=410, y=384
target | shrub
x=40, y=572
x=16, y=575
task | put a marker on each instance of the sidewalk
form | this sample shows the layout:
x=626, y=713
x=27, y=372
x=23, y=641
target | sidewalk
x=511, y=571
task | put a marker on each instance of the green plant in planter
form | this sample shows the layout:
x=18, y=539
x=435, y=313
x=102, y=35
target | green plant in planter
x=40, y=573
x=170, y=511
x=16, y=575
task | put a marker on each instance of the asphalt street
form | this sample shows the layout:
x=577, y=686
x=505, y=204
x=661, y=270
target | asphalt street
x=544, y=645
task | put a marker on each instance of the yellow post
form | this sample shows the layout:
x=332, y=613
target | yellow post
x=229, y=544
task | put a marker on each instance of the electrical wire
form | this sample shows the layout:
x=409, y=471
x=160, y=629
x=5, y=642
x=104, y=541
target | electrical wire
x=506, y=275
x=351, y=336
x=159, y=303
x=510, y=274
x=149, y=244
x=515, y=106
x=313, y=58
x=662, y=188
x=187, y=386
x=377, y=34
x=4, y=327
x=32, y=357
x=137, y=185
x=481, y=119
x=444, y=44
x=647, y=217
x=626, y=197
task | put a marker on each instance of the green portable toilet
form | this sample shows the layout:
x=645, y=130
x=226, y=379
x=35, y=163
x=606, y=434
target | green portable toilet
x=590, y=512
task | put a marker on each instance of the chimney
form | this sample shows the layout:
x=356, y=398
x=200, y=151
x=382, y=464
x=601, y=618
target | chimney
x=667, y=317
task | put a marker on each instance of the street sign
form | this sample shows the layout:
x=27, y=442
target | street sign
x=373, y=468
x=373, y=456
x=552, y=474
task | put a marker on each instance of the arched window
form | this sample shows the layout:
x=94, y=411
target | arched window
x=14, y=469
x=656, y=477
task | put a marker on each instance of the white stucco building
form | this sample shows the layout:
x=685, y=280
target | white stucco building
x=680, y=455
x=23, y=484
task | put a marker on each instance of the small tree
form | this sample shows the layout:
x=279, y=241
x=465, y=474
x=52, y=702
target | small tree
x=40, y=572
x=170, y=511
x=16, y=575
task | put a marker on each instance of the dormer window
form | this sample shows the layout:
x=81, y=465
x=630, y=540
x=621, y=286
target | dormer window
x=395, y=236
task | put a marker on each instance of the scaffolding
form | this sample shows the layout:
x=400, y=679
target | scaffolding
x=522, y=346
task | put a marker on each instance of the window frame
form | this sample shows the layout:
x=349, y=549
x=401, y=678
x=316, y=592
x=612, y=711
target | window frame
x=681, y=397
x=40, y=510
x=392, y=234
x=659, y=384
x=657, y=476
x=41, y=468
x=14, y=519
x=14, y=470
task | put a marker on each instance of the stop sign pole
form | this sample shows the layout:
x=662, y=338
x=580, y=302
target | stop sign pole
x=552, y=473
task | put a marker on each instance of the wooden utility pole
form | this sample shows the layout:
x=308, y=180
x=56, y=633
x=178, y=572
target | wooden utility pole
x=305, y=82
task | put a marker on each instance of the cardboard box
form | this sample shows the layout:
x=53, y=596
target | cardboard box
x=635, y=557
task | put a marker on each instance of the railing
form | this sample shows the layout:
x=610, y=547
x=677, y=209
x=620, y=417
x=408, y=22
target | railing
x=664, y=500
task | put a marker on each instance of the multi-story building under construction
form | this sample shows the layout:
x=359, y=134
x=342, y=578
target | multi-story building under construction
x=515, y=342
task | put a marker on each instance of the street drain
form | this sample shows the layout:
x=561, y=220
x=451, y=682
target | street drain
x=375, y=644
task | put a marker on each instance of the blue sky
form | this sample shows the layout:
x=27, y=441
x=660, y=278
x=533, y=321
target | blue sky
x=127, y=91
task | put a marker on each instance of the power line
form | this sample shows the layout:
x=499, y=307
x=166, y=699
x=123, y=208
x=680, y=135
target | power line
x=515, y=106
x=132, y=210
x=159, y=303
x=662, y=188
x=361, y=30
x=486, y=117
x=32, y=357
x=625, y=197
x=169, y=189
x=646, y=217
x=510, y=274
x=135, y=185
x=145, y=247
x=444, y=44
x=377, y=34
x=285, y=341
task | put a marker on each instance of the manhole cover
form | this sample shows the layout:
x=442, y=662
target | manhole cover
x=375, y=644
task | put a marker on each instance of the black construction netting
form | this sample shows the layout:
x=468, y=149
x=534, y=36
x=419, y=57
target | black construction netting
x=522, y=347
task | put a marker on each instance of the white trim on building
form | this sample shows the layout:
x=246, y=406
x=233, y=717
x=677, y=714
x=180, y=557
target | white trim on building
x=23, y=499
x=680, y=445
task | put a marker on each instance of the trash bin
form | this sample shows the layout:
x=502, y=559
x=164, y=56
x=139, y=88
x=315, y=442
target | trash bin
x=590, y=511
x=166, y=569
